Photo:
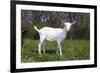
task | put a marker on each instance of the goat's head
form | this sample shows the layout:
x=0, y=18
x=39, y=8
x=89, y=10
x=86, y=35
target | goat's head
x=68, y=25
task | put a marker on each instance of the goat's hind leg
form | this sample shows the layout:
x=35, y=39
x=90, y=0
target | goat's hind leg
x=43, y=46
x=39, y=48
x=60, y=48
x=40, y=44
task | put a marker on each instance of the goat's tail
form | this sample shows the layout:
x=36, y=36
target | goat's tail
x=36, y=29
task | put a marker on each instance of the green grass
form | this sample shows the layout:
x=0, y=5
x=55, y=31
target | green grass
x=72, y=50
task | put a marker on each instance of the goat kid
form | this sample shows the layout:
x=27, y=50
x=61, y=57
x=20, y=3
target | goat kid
x=52, y=34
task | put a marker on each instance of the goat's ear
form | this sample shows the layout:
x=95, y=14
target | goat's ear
x=62, y=21
x=73, y=22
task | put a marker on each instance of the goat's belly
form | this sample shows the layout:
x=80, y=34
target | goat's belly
x=51, y=38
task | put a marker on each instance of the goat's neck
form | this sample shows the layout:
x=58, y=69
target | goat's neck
x=64, y=30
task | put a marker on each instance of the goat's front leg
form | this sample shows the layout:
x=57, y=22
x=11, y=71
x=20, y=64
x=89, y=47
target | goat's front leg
x=60, y=48
x=57, y=49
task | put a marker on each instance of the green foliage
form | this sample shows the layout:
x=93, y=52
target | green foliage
x=26, y=29
x=54, y=22
x=81, y=30
x=72, y=50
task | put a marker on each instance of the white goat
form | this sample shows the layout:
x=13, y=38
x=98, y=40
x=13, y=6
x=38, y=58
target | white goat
x=53, y=34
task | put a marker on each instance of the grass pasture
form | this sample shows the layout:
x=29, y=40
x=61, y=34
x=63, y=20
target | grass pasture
x=72, y=50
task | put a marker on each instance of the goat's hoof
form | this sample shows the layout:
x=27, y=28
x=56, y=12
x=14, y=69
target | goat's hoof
x=57, y=53
x=61, y=55
x=43, y=52
x=40, y=55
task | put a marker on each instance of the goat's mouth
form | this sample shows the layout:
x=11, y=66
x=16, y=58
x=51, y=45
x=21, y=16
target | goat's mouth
x=67, y=30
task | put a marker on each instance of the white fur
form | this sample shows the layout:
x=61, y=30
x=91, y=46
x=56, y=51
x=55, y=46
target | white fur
x=52, y=34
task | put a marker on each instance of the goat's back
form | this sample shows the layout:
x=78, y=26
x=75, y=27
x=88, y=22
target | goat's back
x=51, y=33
